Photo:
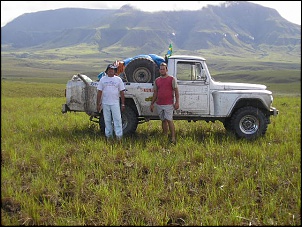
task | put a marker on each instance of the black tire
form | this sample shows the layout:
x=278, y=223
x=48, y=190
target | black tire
x=228, y=125
x=129, y=121
x=102, y=123
x=141, y=70
x=249, y=123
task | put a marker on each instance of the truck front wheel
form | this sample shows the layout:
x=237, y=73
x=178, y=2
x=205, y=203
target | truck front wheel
x=249, y=123
x=228, y=125
x=129, y=121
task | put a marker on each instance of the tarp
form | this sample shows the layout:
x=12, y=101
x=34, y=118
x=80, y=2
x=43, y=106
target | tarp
x=157, y=59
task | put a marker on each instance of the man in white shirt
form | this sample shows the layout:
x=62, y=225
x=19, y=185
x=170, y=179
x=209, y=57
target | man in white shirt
x=110, y=89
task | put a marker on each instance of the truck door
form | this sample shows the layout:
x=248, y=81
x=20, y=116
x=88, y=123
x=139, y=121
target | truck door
x=193, y=87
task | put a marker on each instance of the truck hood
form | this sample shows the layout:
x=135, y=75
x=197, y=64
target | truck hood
x=237, y=86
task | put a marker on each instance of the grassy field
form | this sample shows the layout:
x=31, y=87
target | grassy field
x=60, y=64
x=57, y=169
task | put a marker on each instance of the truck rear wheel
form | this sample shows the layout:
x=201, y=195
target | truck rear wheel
x=102, y=123
x=249, y=123
x=141, y=70
x=129, y=121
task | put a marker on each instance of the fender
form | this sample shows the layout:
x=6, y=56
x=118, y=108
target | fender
x=226, y=101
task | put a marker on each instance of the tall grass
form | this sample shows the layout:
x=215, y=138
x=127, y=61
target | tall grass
x=58, y=169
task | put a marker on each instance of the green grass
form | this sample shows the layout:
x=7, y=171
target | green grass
x=58, y=169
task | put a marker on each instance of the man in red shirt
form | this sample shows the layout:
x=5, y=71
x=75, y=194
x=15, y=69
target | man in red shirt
x=165, y=90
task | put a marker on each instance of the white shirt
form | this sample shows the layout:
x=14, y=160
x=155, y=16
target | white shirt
x=111, y=87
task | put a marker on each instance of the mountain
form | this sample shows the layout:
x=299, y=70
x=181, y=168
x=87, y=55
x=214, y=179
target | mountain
x=232, y=26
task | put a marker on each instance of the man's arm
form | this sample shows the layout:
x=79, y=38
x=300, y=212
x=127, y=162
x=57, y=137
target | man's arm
x=153, y=99
x=176, y=93
x=122, y=95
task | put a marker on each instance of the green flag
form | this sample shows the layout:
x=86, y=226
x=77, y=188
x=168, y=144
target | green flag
x=169, y=52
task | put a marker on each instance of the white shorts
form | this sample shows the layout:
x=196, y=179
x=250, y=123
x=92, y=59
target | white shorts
x=165, y=112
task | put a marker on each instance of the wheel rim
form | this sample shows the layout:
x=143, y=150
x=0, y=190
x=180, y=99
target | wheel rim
x=141, y=75
x=249, y=124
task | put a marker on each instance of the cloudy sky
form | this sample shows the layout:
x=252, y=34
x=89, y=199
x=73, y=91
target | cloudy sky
x=290, y=10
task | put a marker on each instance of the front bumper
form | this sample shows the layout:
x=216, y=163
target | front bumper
x=274, y=111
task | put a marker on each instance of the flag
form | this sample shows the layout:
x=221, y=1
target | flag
x=169, y=52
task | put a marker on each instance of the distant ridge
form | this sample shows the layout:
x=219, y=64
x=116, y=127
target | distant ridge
x=233, y=26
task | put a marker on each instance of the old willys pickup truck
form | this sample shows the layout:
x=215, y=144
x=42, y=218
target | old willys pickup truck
x=244, y=109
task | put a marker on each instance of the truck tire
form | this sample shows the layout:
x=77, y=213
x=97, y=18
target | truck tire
x=249, y=123
x=102, y=123
x=129, y=121
x=228, y=125
x=141, y=70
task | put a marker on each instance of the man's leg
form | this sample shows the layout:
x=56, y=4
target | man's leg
x=117, y=120
x=172, y=131
x=108, y=121
x=165, y=127
x=169, y=118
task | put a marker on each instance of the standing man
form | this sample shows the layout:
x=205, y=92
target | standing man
x=110, y=89
x=165, y=90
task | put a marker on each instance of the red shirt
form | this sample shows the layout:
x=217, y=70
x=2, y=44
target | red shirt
x=165, y=94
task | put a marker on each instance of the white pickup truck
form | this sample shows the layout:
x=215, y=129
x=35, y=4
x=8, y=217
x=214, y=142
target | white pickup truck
x=244, y=109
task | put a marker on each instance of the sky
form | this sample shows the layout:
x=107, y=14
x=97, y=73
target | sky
x=290, y=10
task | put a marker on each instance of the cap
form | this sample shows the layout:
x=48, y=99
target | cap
x=111, y=66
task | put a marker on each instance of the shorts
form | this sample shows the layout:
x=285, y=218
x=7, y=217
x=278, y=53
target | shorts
x=165, y=112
